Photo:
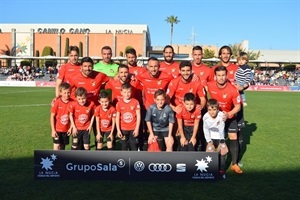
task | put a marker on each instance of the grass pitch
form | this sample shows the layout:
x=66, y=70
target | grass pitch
x=271, y=159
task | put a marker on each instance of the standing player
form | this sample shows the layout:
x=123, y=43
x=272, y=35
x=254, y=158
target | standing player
x=188, y=122
x=116, y=84
x=59, y=118
x=106, y=66
x=82, y=118
x=160, y=120
x=199, y=68
x=169, y=65
x=128, y=119
x=106, y=120
x=177, y=88
x=230, y=103
x=68, y=70
x=225, y=54
x=131, y=62
x=152, y=80
x=89, y=79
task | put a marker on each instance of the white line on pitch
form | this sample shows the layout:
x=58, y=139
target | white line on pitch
x=26, y=105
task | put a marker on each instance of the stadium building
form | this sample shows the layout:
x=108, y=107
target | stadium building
x=31, y=39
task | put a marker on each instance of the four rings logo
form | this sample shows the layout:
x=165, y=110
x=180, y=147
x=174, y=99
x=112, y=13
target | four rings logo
x=160, y=167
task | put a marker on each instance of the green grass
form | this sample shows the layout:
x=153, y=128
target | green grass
x=271, y=159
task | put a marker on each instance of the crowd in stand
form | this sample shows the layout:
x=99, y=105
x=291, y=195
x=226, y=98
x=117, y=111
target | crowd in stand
x=27, y=73
x=278, y=77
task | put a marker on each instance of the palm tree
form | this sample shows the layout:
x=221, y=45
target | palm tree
x=172, y=20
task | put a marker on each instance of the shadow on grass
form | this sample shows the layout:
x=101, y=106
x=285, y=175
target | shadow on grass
x=17, y=182
x=246, y=132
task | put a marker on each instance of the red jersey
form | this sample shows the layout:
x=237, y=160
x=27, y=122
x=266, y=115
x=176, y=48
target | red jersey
x=67, y=71
x=82, y=115
x=115, y=86
x=189, y=117
x=177, y=89
x=128, y=114
x=204, y=73
x=61, y=111
x=151, y=84
x=231, y=70
x=136, y=70
x=227, y=96
x=105, y=117
x=92, y=84
x=172, y=68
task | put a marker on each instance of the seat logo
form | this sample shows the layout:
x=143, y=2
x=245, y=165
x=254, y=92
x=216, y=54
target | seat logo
x=160, y=167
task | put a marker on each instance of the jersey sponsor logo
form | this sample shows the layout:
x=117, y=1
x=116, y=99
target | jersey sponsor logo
x=160, y=167
x=83, y=118
x=127, y=117
x=105, y=123
x=64, y=119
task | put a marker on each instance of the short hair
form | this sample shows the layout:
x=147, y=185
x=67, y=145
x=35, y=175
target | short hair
x=80, y=91
x=244, y=56
x=168, y=46
x=64, y=86
x=212, y=103
x=131, y=51
x=220, y=68
x=197, y=48
x=189, y=97
x=153, y=58
x=126, y=86
x=73, y=48
x=185, y=63
x=87, y=59
x=225, y=47
x=160, y=92
x=123, y=66
x=106, y=48
x=104, y=95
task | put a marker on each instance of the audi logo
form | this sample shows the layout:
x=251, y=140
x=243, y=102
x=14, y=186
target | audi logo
x=160, y=167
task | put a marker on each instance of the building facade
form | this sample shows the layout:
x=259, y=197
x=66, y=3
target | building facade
x=31, y=39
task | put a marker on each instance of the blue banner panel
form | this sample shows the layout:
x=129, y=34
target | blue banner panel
x=125, y=165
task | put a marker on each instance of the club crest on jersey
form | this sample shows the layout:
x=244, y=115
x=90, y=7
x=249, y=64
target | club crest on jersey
x=224, y=96
x=201, y=73
x=88, y=110
x=173, y=69
x=192, y=116
x=159, y=82
x=112, y=71
x=231, y=71
x=93, y=83
x=132, y=107
x=191, y=89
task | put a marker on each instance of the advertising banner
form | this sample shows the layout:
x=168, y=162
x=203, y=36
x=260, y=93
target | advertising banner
x=125, y=165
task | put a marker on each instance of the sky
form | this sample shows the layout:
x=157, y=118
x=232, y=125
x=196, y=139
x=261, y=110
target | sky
x=266, y=24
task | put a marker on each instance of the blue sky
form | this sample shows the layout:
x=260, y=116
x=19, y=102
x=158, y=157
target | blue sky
x=265, y=24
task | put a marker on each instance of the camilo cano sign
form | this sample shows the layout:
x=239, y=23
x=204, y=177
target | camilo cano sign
x=125, y=165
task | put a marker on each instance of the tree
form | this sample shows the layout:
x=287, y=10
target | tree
x=207, y=53
x=172, y=20
x=237, y=49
